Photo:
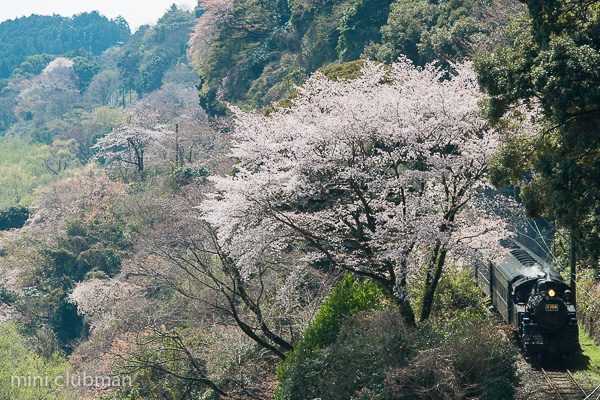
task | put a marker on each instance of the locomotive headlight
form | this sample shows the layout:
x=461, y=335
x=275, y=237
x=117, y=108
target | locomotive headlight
x=551, y=293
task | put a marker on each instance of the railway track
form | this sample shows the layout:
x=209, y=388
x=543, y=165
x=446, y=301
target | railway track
x=564, y=385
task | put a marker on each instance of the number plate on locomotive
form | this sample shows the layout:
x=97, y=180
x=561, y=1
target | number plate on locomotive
x=551, y=307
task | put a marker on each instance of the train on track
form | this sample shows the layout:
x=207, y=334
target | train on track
x=531, y=296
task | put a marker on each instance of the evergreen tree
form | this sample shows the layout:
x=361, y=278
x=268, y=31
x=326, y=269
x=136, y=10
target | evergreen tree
x=554, y=66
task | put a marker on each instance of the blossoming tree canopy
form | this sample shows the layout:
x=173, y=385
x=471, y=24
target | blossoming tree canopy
x=379, y=175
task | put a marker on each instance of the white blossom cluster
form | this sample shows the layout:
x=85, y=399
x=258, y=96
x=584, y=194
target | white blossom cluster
x=98, y=299
x=367, y=172
x=57, y=78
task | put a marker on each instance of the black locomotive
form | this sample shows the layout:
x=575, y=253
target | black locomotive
x=531, y=296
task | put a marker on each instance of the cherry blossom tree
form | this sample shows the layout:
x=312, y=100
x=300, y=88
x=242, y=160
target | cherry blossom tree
x=129, y=143
x=50, y=94
x=182, y=252
x=187, y=132
x=166, y=127
x=87, y=193
x=126, y=144
x=97, y=299
x=380, y=175
x=58, y=76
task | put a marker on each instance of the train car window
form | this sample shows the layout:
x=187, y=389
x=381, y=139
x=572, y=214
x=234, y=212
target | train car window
x=519, y=297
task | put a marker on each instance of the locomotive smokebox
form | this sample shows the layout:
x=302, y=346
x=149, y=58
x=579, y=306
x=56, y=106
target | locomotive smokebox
x=550, y=314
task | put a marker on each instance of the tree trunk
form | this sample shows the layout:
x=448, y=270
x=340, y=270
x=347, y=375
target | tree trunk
x=407, y=313
x=433, y=277
x=573, y=262
x=402, y=302
x=406, y=309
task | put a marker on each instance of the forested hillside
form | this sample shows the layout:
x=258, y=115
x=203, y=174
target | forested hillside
x=287, y=199
x=39, y=34
x=255, y=52
x=57, y=104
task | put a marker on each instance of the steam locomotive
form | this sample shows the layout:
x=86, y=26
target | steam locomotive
x=532, y=297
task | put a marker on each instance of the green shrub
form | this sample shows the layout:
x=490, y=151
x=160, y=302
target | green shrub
x=87, y=248
x=182, y=176
x=358, y=349
x=16, y=360
x=348, y=299
x=458, y=292
x=300, y=376
x=13, y=217
x=356, y=364
x=8, y=296
x=588, y=306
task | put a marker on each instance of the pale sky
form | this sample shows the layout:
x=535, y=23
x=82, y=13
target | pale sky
x=136, y=12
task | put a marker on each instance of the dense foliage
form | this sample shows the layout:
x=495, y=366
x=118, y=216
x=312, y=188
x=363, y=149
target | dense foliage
x=13, y=217
x=552, y=70
x=56, y=35
x=17, y=361
x=299, y=376
x=26, y=166
x=425, y=31
x=263, y=49
x=358, y=348
x=154, y=50
x=56, y=105
x=81, y=249
x=254, y=54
